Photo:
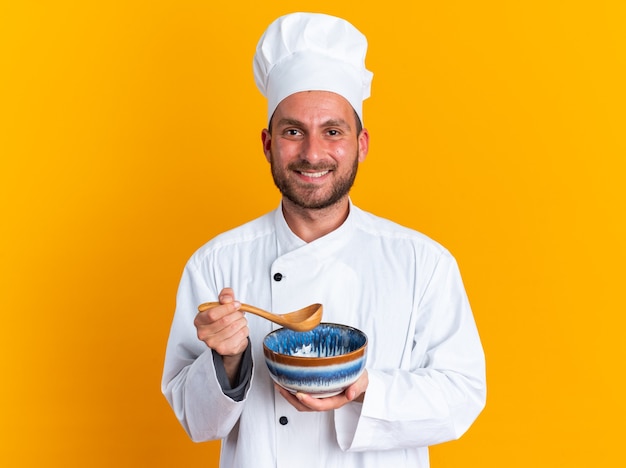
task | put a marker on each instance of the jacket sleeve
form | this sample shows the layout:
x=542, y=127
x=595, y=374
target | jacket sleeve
x=190, y=383
x=443, y=391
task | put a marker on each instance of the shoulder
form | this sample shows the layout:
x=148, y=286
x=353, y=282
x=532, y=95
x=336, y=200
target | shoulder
x=388, y=231
x=241, y=238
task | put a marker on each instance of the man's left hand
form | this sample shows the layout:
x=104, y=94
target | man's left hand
x=305, y=402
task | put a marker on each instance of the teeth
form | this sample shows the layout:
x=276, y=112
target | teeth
x=314, y=174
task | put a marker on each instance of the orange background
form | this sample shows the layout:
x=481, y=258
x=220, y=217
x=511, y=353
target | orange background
x=129, y=136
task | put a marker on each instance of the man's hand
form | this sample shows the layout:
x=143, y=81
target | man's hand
x=224, y=329
x=305, y=402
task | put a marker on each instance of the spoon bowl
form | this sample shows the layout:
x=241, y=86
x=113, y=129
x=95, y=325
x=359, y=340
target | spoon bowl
x=304, y=319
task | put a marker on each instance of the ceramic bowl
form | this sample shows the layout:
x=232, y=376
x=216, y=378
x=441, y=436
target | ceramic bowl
x=321, y=362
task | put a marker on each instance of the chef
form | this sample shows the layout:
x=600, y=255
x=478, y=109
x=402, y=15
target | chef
x=424, y=381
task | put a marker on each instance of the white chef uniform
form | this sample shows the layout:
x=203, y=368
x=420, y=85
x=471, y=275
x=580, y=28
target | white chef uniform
x=425, y=361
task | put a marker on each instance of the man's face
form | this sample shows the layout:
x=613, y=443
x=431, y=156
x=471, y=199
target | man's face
x=314, y=149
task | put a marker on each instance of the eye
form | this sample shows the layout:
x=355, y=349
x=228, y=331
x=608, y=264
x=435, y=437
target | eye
x=333, y=132
x=292, y=132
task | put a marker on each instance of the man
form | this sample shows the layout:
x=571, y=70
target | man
x=424, y=381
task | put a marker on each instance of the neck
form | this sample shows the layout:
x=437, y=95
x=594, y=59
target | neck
x=309, y=224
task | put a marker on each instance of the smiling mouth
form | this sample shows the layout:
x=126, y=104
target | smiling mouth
x=313, y=175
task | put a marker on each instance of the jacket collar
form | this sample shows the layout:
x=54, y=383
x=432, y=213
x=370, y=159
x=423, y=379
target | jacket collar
x=327, y=245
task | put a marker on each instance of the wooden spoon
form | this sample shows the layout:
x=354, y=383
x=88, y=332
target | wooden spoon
x=303, y=319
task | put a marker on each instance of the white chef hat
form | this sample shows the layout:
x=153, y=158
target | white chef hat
x=312, y=52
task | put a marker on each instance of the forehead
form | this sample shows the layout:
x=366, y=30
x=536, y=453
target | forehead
x=314, y=107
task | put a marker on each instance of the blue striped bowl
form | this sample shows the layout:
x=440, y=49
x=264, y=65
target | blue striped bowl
x=321, y=362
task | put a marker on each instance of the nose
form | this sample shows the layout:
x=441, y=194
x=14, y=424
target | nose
x=312, y=149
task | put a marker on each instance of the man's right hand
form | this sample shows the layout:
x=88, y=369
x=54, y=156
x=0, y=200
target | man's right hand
x=224, y=329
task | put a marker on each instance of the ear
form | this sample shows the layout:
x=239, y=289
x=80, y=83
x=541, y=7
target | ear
x=364, y=144
x=266, y=138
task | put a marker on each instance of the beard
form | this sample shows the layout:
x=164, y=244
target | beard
x=310, y=196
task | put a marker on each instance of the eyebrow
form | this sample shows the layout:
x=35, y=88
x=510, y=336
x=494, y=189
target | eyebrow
x=286, y=121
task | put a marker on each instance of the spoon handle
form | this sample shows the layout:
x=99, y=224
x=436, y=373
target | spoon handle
x=246, y=308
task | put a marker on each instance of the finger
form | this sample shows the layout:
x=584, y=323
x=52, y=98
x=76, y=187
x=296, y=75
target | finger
x=229, y=340
x=233, y=345
x=226, y=295
x=322, y=404
x=214, y=314
x=236, y=330
x=222, y=328
x=357, y=390
x=291, y=398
